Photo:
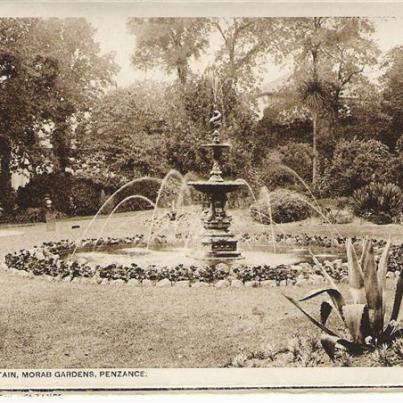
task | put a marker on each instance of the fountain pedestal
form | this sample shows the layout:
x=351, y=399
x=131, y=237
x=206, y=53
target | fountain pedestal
x=218, y=242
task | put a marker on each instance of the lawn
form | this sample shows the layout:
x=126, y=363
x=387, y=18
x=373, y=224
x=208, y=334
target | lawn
x=52, y=325
x=60, y=325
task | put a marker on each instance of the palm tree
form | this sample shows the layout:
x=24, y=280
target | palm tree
x=315, y=96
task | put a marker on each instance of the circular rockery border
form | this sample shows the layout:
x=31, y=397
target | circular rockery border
x=48, y=261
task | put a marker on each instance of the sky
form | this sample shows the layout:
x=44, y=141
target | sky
x=112, y=35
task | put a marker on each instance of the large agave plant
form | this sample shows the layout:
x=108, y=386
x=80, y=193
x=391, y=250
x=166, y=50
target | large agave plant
x=364, y=317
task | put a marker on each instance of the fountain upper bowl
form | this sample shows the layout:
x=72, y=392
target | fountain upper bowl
x=215, y=186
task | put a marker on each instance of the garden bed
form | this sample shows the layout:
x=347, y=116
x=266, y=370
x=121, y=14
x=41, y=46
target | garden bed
x=50, y=260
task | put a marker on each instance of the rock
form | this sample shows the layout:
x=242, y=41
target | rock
x=66, y=279
x=164, y=283
x=222, y=267
x=183, y=284
x=222, y=284
x=38, y=253
x=200, y=284
x=251, y=284
x=305, y=266
x=146, y=283
x=301, y=282
x=96, y=280
x=236, y=283
x=268, y=283
x=316, y=279
x=133, y=282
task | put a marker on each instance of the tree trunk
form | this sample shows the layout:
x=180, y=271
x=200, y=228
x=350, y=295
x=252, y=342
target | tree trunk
x=60, y=146
x=314, y=149
x=6, y=190
x=182, y=70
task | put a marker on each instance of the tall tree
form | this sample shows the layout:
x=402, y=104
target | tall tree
x=20, y=86
x=81, y=75
x=49, y=71
x=330, y=56
x=168, y=42
x=247, y=44
x=393, y=94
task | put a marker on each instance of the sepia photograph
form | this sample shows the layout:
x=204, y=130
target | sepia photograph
x=213, y=191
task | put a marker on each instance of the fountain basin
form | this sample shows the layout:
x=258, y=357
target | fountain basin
x=176, y=255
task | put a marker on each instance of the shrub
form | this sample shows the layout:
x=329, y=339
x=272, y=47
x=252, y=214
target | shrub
x=70, y=195
x=84, y=197
x=144, y=188
x=56, y=186
x=355, y=164
x=298, y=157
x=339, y=216
x=276, y=168
x=285, y=205
x=380, y=203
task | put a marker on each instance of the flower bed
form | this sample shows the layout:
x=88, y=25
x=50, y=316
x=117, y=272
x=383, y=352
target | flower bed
x=49, y=260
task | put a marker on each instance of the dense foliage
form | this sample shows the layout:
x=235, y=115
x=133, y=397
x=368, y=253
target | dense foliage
x=381, y=203
x=281, y=206
x=69, y=195
x=51, y=70
x=327, y=124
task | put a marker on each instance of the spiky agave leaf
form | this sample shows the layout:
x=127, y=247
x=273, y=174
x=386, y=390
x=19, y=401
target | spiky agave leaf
x=357, y=321
x=365, y=247
x=392, y=332
x=381, y=273
x=331, y=282
x=398, y=297
x=372, y=291
x=325, y=311
x=333, y=293
x=355, y=275
x=330, y=343
x=311, y=318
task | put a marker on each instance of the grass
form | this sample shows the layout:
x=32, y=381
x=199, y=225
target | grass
x=60, y=325
x=63, y=325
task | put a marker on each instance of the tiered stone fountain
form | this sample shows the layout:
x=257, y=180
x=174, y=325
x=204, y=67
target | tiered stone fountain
x=218, y=242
